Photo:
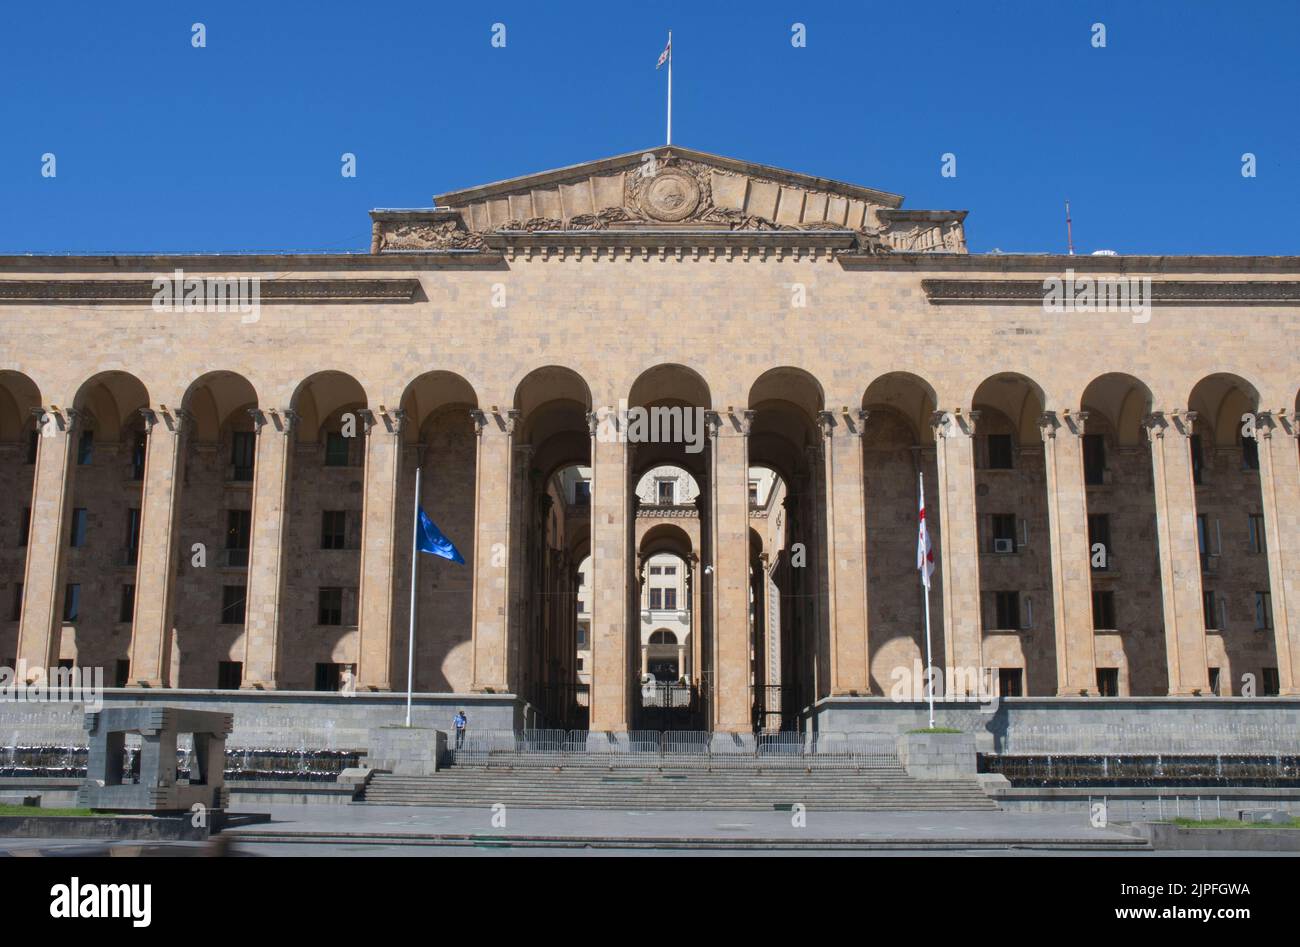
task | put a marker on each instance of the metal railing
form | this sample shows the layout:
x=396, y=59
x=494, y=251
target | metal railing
x=671, y=749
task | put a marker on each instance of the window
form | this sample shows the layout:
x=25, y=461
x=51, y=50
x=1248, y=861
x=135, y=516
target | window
x=336, y=450
x=999, y=450
x=582, y=637
x=242, y=447
x=656, y=598
x=1263, y=611
x=582, y=579
x=1271, y=682
x=1103, y=610
x=1094, y=459
x=1108, y=682
x=1099, y=534
x=1011, y=682
x=230, y=675
x=71, y=601
x=16, y=610
x=86, y=448
x=582, y=607
x=78, y=538
x=670, y=570
x=663, y=636
x=1194, y=445
x=1006, y=609
x=753, y=493
x=656, y=570
x=1210, y=609
x=670, y=598
x=1256, y=523
x=333, y=529
x=1214, y=681
x=329, y=607
x=126, y=608
x=580, y=662
x=667, y=490
x=239, y=528
x=132, y=536
x=232, y=604
x=1249, y=453
x=582, y=493
x=1004, y=532
x=329, y=677
x=122, y=672
x=24, y=526
x=137, y=455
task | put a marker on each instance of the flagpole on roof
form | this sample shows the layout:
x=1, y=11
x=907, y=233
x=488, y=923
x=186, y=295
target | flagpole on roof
x=415, y=558
x=670, y=87
x=925, y=582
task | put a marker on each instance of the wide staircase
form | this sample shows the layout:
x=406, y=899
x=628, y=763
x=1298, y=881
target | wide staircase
x=540, y=774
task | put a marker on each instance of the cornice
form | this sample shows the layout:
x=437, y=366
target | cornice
x=143, y=291
x=1163, y=292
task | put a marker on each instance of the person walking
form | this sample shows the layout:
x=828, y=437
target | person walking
x=459, y=723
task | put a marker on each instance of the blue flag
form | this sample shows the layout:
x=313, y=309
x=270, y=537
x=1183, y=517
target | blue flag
x=430, y=539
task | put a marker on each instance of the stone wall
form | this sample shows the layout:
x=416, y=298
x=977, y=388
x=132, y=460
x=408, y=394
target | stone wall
x=1086, y=726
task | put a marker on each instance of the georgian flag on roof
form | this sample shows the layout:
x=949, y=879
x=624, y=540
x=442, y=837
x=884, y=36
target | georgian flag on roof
x=924, y=553
x=666, y=54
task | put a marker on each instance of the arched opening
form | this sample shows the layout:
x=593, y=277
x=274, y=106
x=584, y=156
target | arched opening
x=99, y=573
x=20, y=399
x=551, y=517
x=438, y=438
x=1127, y=608
x=668, y=470
x=216, y=504
x=788, y=528
x=1019, y=639
x=1235, y=588
x=322, y=559
x=667, y=573
x=898, y=447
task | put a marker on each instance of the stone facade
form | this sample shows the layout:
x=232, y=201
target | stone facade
x=818, y=329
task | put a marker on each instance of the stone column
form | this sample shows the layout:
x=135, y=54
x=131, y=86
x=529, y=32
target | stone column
x=40, y=630
x=381, y=537
x=264, y=614
x=492, y=554
x=693, y=590
x=959, y=541
x=1067, y=521
x=611, y=564
x=1279, y=480
x=1180, y=562
x=845, y=549
x=155, y=574
x=729, y=491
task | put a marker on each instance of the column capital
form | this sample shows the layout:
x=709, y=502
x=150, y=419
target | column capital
x=505, y=420
x=1268, y=423
x=1159, y=423
x=176, y=420
x=51, y=419
x=854, y=423
x=954, y=423
x=1050, y=423
x=280, y=420
x=391, y=419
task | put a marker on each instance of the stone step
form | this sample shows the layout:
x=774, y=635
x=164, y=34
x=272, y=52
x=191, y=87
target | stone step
x=565, y=789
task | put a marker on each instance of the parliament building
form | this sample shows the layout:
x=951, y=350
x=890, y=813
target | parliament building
x=204, y=496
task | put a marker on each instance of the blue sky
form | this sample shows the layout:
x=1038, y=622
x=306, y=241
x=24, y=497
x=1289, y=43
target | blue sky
x=164, y=147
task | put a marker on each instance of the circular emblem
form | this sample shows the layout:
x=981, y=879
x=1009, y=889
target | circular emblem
x=671, y=195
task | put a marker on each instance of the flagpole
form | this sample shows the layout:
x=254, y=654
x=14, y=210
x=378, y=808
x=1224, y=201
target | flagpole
x=670, y=87
x=415, y=558
x=929, y=659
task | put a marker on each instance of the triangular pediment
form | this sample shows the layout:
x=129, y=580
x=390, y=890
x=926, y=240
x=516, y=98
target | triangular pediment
x=670, y=186
x=667, y=189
